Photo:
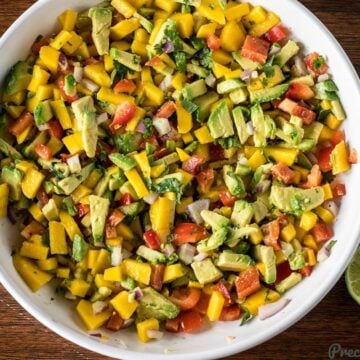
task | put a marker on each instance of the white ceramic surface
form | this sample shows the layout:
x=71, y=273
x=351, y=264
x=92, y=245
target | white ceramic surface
x=59, y=314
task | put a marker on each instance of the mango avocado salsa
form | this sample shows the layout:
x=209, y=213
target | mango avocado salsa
x=170, y=163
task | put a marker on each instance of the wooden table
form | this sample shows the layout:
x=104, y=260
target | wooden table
x=335, y=320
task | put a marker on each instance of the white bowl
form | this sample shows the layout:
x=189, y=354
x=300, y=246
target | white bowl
x=59, y=315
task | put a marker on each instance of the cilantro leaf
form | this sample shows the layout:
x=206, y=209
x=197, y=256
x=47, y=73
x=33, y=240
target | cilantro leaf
x=121, y=70
x=319, y=62
x=189, y=106
x=198, y=44
x=149, y=127
x=229, y=142
x=169, y=185
x=180, y=61
x=245, y=318
x=205, y=57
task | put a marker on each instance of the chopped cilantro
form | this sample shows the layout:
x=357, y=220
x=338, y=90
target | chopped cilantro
x=172, y=34
x=180, y=60
x=322, y=114
x=149, y=127
x=68, y=205
x=121, y=70
x=189, y=106
x=229, y=142
x=245, y=318
x=205, y=57
x=128, y=142
x=169, y=185
x=198, y=44
x=319, y=62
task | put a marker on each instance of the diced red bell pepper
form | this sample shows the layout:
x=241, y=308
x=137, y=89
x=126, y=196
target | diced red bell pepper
x=224, y=287
x=22, y=123
x=306, y=270
x=161, y=152
x=313, y=179
x=276, y=34
x=126, y=199
x=299, y=91
x=110, y=231
x=255, y=49
x=124, y=113
x=34, y=228
x=115, y=323
x=173, y=325
x=42, y=196
x=83, y=209
x=188, y=233
x=190, y=321
x=353, y=156
x=216, y=152
x=151, y=239
x=230, y=313
x=166, y=110
x=39, y=43
x=283, y=270
x=271, y=232
x=323, y=158
x=55, y=129
x=226, y=198
x=213, y=42
x=125, y=86
x=115, y=218
x=185, y=297
x=193, y=164
x=339, y=190
x=205, y=178
x=308, y=116
x=203, y=303
x=157, y=276
x=322, y=232
x=338, y=137
x=43, y=152
x=247, y=283
x=316, y=63
x=155, y=61
x=283, y=173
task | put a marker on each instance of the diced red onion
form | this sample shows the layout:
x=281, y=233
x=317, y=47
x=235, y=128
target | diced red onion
x=194, y=209
x=263, y=186
x=162, y=125
x=90, y=85
x=323, y=254
x=43, y=127
x=168, y=47
x=165, y=85
x=138, y=293
x=210, y=80
x=127, y=323
x=78, y=73
x=102, y=118
x=323, y=77
x=99, y=306
x=300, y=66
x=63, y=62
x=168, y=250
x=200, y=257
x=117, y=255
x=141, y=127
x=286, y=248
x=312, y=158
x=331, y=206
x=246, y=76
x=151, y=198
x=154, y=334
x=250, y=128
x=186, y=253
x=271, y=309
x=99, y=335
x=74, y=163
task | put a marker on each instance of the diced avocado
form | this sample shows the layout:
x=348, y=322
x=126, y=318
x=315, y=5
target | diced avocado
x=238, y=233
x=70, y=183
x=245, y=63
x=260, y=210
x=294, y=200
x=220, y=122
x=228, y=86
x=204, y=104
x=270, y=127
x=307, y=80
x=198, y=70
x=215, y=220
x=243, y=170
x=338, y=110
x=206, y=272
x=12, y=176
x=68, y=205
x=258, y=121
x=268, y=94
x=43, y=112
x=154, y=305
x=70, y=85
x=266, y=255
x=18, y=78
x=239, y=96
x=303, y=161
x=85, y=113
x=50, y=210
x=242, y=213
x=167, y=160
x=288, y=282
x=124, y=162
x=99, y=209
x=230, y=261
x=194, y=89
x=260, y=175
x=145, y=23
x=313, y=131
x=306, y=145
x=80, y=248
x=286, y=53
x=290, y=133
x=132, y=209
x=161, y=34
x=297, y=260
x=4, y=129
x=101, y=23
x=9, y=150
x=41, y=138
x=129, y=60
x=233, y=182
x=153, y=256
x=214, y=241
x=116, y=181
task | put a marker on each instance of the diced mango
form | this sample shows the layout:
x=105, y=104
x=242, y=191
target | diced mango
x=35, y=212
x=288, y=233
x=124, y=8
x=206, y=30
x=236, y=12
x=257, y=15
x=86, y=313
x=183, y=155
x=70, y=225
x=4, y=198
x=31, y=274
x=220, y=70
x=308, y=220
x=182, y=206
x=284, y=155
x=68, y=19
x=184, y=24
x=143, y=163
x=39, y=77
x=124, y=28
x=257, y=159
x=212, y=10
x=222, y=57
x=339, y=159
x=33, y=251
x=113, y=274
x=50, y=57
x=125, y=231
x=310, y=242
x=260, y=29
x=172, y=272
x=63, y=273
x=215, y=306
x=72, y=44
x=60, y=40
x=157, y=170
x=144, y=326
x=74, y=143
x=123, y=306
x=262, y=297
x=232, y=36
x=184, y=119
x=137, y=183
x=153, y=93
x=187, y=138
x=168, y=6
x=140, y=272
x=327, y=191
x=325, y=215
x=102, y=262
x=31, y=183
x=107, y=95
x=310, y=257
x=49, y=264
x=62, y=114
x=203, y=135
x=257, y=236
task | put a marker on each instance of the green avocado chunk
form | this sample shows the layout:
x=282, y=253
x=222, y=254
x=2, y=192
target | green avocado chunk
x=154, y=305
x=266, y=255
x=288, y=282
x=101, y=23
x=206, y=272
x=99, y=209
x=295, y=200
x=12, y=177
x=230, y=261
x=220, y=122
x=18, y=78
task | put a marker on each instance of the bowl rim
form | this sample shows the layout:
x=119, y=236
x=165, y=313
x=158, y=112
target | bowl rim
x=227, y=350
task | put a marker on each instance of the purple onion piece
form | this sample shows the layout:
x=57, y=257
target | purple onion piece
x=246, y=76
x=263, y=186
x=63, y=62
x=200, y=257
x=99, y=335
x=323, y=254
x=138, y=293
x=194, y=209
x=141, y=127
x=168, y=250
x=331, y=206
x=186, y=253
x=168, y=47
x=269, y=310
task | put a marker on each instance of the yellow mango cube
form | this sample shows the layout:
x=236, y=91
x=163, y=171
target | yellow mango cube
x=232, y=36
x=172, y=272
x=31, y=183
x=70, y=225
x=57, y=237
x=72, y=44
x=49, y=264
x=153, y=93
x=143, y=163
x=184, y=24
x=288, y=233
x=144, y=326
x=206, y=30
x=4, y=198
x=140, y=272
x=184, y=118
x=124, y=28
x=123, y=306
x=308, y=220
x=68, y=19
x=113, y=274
x=102, y=262
x=137, y=183
x=310, y=242
x=50, y=57
x=325, y=215
x=284, y=155
x=124, y=8
x=203, y=135
x=34, y=210
x=63, y=273
x=86, y=313
x=257, y=15
x=236, y=12
x=261, y=297
x=62, y=113
x=60, y=40
x=212, y=10
x=98, y=74
x=33, y=251
x=220, y=70
x=39, y=77
x=260, y=29
x=327, y=191
x=257, y=236
x=157, y=170
x=183, y=155
x=339, y=159
x=257, y=159
x=215, y=306
x=107, y=95
x=222, y=57
x=74, y=143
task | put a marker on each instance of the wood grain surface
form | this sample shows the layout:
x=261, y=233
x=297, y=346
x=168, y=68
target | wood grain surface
x=335, y=320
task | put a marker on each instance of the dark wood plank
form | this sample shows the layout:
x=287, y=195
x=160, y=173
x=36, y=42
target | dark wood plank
x=335, y=320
